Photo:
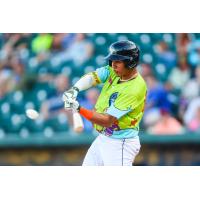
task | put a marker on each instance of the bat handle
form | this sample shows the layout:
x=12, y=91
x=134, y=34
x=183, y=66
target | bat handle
x=77, y=122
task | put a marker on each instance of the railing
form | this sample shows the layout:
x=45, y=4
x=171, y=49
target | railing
x=70, y=139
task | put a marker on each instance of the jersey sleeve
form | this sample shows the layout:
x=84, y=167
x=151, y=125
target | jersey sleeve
x=103, y=73
x=123, y=104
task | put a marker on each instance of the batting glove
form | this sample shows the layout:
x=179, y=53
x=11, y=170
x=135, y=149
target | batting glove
x=70, y=94
x=72, y=104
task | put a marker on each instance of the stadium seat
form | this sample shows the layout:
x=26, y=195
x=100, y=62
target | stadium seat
x=16, y=100
x=2, y=133
x=34, y=126
x=58, y=123
x=161, y=72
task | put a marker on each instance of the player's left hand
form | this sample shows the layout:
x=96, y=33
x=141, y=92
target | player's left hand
x=71, y=104
x=70, y=94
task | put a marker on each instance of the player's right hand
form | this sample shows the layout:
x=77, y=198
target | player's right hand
x=70, y=94
x=71, y=104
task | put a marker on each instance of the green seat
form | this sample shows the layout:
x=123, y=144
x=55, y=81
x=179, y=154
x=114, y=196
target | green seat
x=16, y=100
x=59, y=123
x=156, y=37
x=135, y=37
x=13, y=124
x=110, y=37
x=34, y=126
x=32, y=65
x=5, y=114
x=39, y=94
x=161, y=72
x=90, y=62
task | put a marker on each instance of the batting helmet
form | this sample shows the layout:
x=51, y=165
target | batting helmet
x=125, y=51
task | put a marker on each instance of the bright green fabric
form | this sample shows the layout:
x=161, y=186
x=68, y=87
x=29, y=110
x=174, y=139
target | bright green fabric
x=128, y=99
x=42, y=43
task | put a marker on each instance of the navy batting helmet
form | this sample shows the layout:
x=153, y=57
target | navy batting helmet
x=125, y=51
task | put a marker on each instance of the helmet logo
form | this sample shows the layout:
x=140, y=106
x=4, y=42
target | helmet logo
x=112, y=51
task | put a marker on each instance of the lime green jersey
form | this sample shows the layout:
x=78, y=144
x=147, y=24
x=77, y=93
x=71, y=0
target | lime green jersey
x=123, y=100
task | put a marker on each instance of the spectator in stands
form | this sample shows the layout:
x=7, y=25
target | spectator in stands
x=68, y=40
x=6, y=84
x=54, y=104
x=63, y=41
x=165, y=56
x=157, y=94
x=42, y=43
x=180, y=75
x=192, y=88
x=16, y=44
x=24, y=41
x=11, y=75
x=194, y=124
x=79, y=51
x=145, y=70
x=157, y=98
x=18, y=69
x=194, y=53
x=182, y=42
x=191, y=111
x=13, y=56
x=166, y=125
x=190, y=91
x=8, y=47
x=57, y=41
x=41, y=47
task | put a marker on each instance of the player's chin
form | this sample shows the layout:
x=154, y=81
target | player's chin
x=117, y=73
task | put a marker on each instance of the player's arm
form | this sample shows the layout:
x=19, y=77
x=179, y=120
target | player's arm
x=104, y=120
x=87, y=81
x=112, y=115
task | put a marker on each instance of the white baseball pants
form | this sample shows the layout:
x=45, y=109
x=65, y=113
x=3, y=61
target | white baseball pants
x=106, y=151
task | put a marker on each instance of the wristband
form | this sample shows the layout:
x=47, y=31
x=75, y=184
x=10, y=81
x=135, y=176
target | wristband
x=88, y=114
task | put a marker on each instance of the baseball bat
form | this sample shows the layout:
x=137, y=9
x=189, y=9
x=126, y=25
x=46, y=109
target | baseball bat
x=78, y=125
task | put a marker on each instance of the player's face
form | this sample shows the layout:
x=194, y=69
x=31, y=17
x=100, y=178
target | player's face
x=119, y=67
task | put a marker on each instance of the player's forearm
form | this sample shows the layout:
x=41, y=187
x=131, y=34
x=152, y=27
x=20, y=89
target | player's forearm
x=87, y=81
x=97, y=118
x=101, y=119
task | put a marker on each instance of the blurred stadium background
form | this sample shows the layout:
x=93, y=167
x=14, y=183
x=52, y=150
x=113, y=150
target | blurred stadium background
x=35, y=69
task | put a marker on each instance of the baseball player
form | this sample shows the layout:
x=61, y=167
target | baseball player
x=118, y=110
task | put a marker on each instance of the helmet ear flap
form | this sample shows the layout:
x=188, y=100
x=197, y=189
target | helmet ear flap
x=133, y=62
x=130, y=63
